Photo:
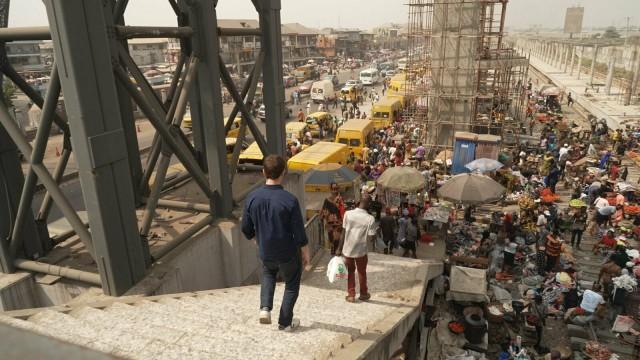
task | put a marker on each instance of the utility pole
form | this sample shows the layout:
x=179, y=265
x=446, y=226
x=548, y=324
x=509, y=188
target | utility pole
x=626, y=39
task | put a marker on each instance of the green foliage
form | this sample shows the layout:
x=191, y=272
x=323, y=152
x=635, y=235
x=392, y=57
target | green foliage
x=611, y=33
x=9, y=92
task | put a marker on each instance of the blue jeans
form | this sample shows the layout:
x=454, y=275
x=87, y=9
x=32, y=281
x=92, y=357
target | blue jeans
x=291, y=272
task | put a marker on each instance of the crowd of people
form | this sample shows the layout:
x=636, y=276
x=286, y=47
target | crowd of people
x=570, y=185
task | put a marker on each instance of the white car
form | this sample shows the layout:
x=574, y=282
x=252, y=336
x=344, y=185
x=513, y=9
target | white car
x=262, y=113
x=356, y=83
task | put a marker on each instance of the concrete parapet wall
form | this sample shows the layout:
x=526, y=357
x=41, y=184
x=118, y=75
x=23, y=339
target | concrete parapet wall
x=16, y=291
x=218, y=257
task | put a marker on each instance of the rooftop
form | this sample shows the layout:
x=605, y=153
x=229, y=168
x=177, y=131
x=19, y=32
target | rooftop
x=299, y=29
x=238, y=23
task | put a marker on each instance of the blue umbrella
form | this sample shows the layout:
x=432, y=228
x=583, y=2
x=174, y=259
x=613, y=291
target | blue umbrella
x=325, y=174
x=484, y=165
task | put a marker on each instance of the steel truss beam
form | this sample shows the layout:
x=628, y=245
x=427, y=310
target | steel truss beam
x=82, y=47
x=206, y=105
x=40, y=146
x=36, y=33
x=273, y=90
x=95, y=73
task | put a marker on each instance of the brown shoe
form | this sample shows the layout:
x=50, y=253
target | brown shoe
x=350, y=299
x=364, y=297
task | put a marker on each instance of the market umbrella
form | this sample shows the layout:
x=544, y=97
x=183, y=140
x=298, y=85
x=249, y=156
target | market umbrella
x=551, y=91
x=546, y=86
x=402, y=178
x=325, y=174
x=484, y=165
x=471, y=189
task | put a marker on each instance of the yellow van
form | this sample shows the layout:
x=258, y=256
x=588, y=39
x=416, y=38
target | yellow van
x=355, y=133
x=349, y=94
x=314, y=120
x=385, y=112
x=319, y=153
x=295, y=129
x=304, y=72
x=187, y=123
x=251, y=155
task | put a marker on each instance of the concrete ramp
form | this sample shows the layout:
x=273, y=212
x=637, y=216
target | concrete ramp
x=223, y=324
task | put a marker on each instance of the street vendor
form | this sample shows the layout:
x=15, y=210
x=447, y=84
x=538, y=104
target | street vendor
x=591, y=304
x=613, y=267
x=606, y=242
x=578, y=226
x=547, y=163
x=553, y=247
x=604, y=214
x=332, y=211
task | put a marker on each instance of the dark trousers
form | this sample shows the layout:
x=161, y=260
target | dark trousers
x=551, y=262
x=291, y=272
x=576, y=237
x=538, y=335
x=389, y=245
x=359, y=264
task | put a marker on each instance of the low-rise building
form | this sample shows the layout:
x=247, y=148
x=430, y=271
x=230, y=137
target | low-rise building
x=348, y=42
x=299, y=44
x=148, y=51
x=391, y=36
x=25, y=56
x=326, y=45
x=239, y=53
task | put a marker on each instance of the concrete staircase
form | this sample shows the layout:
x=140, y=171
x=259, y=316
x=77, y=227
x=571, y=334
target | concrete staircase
x=223, y=324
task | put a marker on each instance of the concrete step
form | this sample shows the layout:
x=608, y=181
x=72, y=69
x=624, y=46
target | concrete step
x=223, y=324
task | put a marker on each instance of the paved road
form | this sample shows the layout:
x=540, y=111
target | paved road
x=72, y=188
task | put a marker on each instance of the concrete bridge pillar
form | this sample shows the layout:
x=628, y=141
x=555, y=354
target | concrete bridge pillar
x=580, y=61
x=573, y=58
x=593, y=63
x=611, y=69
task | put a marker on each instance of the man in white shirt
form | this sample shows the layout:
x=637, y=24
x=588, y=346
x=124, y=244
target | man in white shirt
x=601, y=202
x=359, y=228
x=542, y=220
x=563, y=151
x=591, y=300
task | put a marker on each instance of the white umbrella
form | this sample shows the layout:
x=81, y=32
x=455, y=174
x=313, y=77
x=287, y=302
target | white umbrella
x=484, y=165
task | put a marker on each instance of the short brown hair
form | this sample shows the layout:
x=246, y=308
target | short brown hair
x=273, y=166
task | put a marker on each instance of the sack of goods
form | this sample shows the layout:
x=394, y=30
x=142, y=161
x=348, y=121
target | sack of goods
x=336, y=269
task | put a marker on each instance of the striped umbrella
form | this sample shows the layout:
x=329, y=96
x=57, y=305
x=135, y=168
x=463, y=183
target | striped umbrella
x=323, y=175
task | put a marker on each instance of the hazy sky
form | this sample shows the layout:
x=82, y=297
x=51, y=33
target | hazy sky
x=358, y=13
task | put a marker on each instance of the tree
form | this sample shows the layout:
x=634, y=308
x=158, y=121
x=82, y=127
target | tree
x=611, y=33
x=8, y=91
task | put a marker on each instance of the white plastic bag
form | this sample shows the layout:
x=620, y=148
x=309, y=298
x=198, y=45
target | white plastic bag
x=336, y=269
x=380, y=245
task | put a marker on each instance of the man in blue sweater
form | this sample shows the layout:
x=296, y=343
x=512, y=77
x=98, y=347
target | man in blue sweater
x=273, y=217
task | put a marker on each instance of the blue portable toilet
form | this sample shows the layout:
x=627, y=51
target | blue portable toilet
x=464, y=151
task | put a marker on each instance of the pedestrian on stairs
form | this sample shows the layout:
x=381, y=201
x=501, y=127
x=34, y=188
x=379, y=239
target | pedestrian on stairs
x=359, y=229
x=272, y=217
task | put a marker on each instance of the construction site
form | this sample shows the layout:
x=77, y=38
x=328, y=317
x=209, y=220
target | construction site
x=461, y=75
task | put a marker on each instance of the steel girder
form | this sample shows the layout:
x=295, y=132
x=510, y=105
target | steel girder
x=90, y=40
x=82, y=50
